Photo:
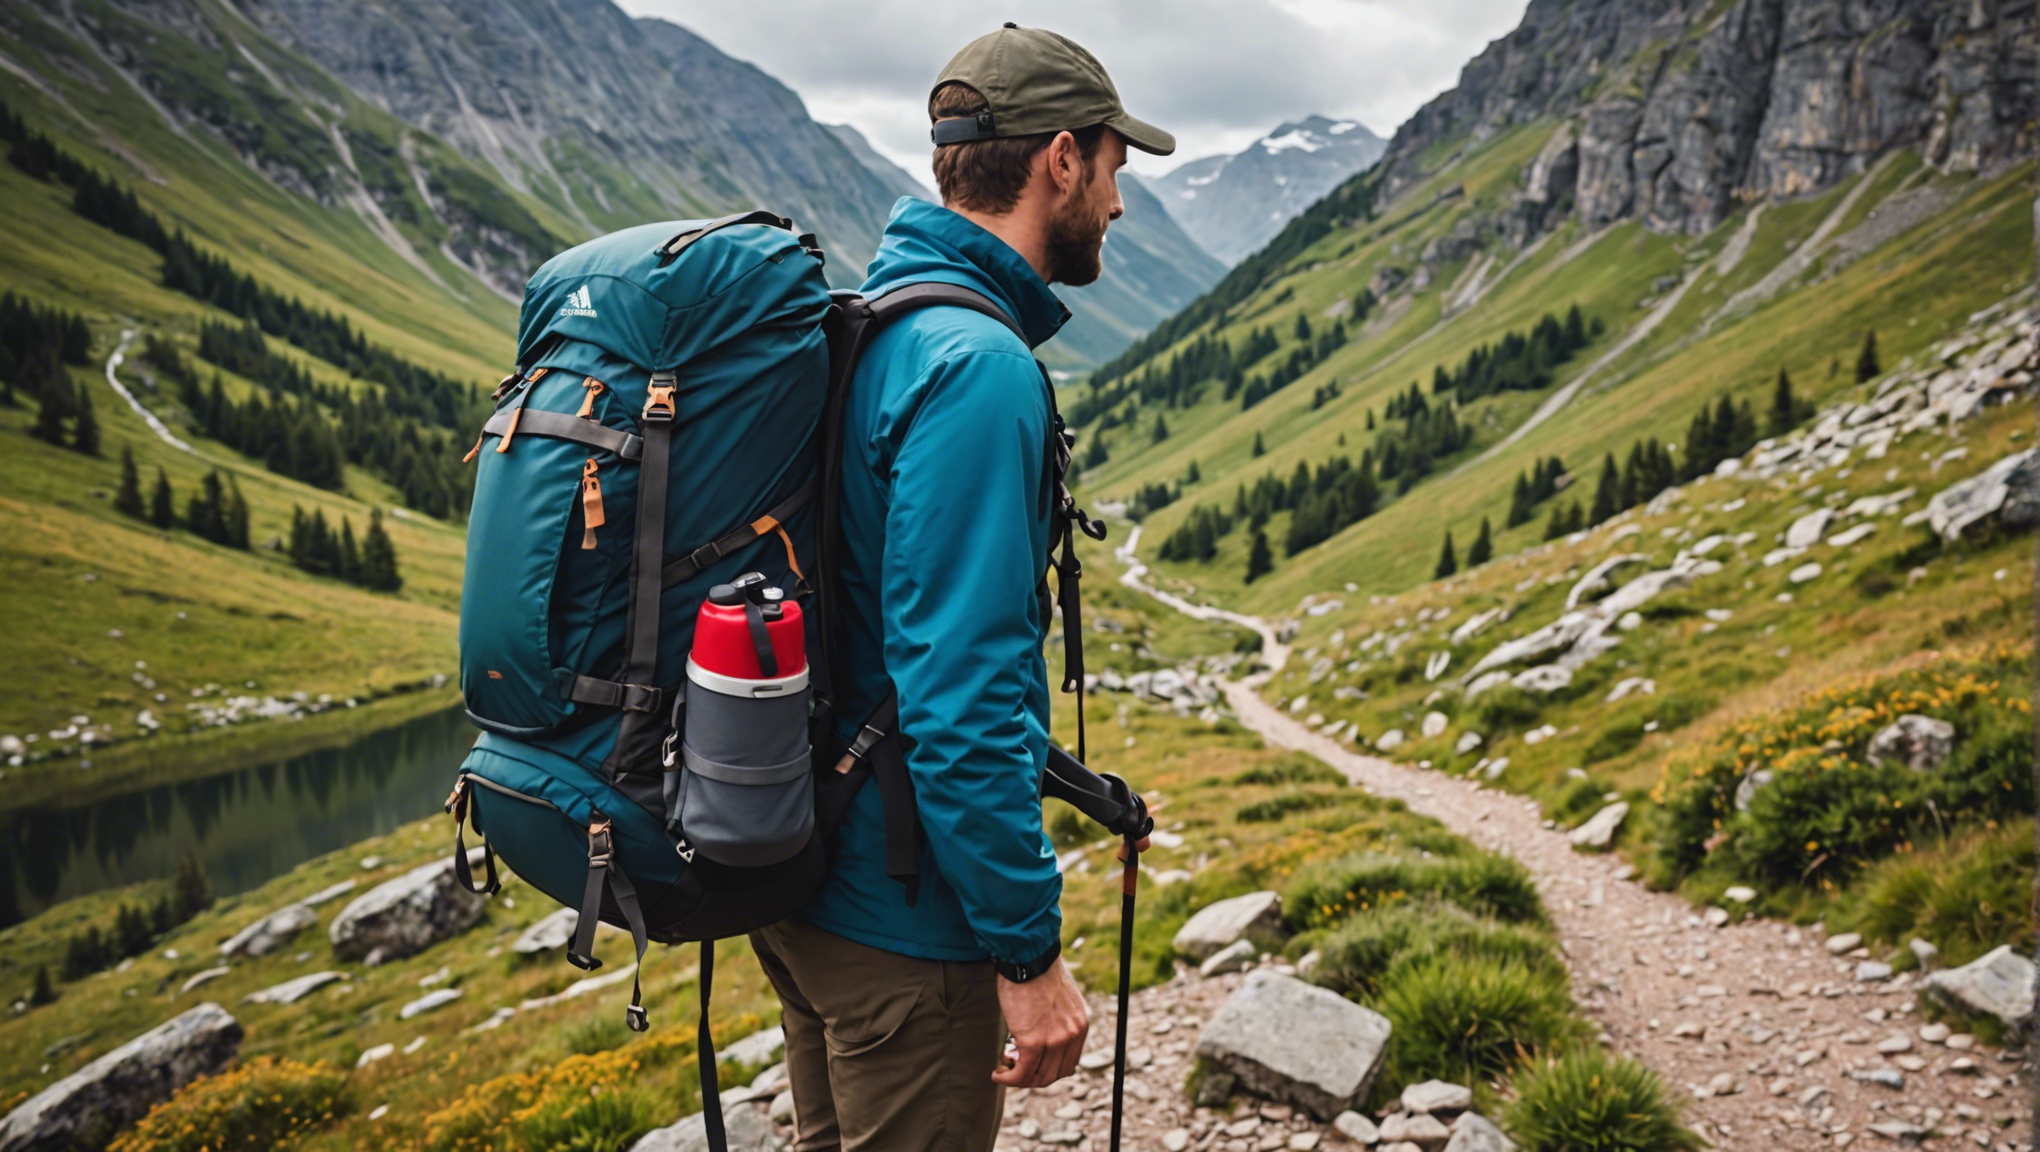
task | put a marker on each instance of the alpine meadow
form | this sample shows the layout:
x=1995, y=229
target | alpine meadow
x=1568, y=601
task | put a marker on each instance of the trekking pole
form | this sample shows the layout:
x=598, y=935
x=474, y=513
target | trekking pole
x=1130, y=883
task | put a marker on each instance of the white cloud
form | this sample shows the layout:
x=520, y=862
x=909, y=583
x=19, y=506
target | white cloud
x=1217, y=73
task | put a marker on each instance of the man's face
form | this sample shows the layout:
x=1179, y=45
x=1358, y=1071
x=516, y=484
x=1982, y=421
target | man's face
x=1076, y=229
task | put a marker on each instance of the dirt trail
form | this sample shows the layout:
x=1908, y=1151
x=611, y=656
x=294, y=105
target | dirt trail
x=1772, y=1038
x=156, y=425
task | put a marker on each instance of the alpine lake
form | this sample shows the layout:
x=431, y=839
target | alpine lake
x=246, y=824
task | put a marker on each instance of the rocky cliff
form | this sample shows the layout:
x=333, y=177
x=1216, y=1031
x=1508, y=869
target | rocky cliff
x=1675, y=113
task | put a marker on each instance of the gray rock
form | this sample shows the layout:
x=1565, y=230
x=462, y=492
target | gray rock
x=406, y=915
x=1921, y=743
x=548, y=935
x=333, y=892
x=1473, y=1132
x=1296, y=1043
x=85, y=1108
x=1423, y=1130
x=1746, y=788
x=747, y=1128
x=292, y=991
x=2008, y=491
x=2000, y=983
x=1844, y=943
x=1215, y=926
x=1355, y=1127
x=1924, y=951
x=205, y=977
x=760, y=1047
x=1852, y=536
x=1804, y=573
x=781, y=1109
x=437, y=998
x=1435, y=724
x=1544, y=679
x=1599, y=831
x=1597, y=580
x=1808, y=529
x=1237, y=956
x=1467, y=743
x=1887, y=1077
x=1872, y=972
x=271, y=932
x=1436, y=1096
x=1390, y=740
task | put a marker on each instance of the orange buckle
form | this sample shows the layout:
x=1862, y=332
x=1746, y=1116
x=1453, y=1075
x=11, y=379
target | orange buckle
x=660, y=403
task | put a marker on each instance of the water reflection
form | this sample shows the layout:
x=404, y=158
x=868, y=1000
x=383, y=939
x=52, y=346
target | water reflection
x=247, y=826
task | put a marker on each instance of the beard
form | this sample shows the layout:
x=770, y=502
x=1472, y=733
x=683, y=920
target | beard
x=1076, y=241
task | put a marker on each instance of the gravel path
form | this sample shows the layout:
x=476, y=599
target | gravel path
x=1770, y=1034
x=157, y=426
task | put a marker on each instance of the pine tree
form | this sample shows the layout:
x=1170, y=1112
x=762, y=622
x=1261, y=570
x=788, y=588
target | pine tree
x=85, y=433
x=1260, y=559
x=1193, y=475
x=192, y=892
x=1575, y=519
x=1784, y=409
x=54, y=410
x=1867, y=366
x=1608, y=493
x=1160, y=432
x=129, y=499
x=1370, y=419
x=379, y=557
x=1303, y=329
x=350, y=555
x=1448, y=562
x=43, y=992
x=162, y=505
x=1483, y=548
x=1555, y=527
x=1260, y=450
x=234, y=516
x=1520, y=502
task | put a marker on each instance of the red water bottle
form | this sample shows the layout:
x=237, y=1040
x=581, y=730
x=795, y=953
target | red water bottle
x=748, y=631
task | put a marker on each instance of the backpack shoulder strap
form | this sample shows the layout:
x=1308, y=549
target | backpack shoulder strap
x=930, y=294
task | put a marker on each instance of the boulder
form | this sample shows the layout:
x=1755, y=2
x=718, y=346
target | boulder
x=1486, y=681
x=271, y=932
x=759, y=1048
x=1235, y=957
x=1390, y=740
x=1217, y=926
x=1296, y=1043
x=292, y=991
x=747, y=1128
x=406, y=915
x=1599, y=831
x=437, y=998
x=1853, y=536
x=332, y=892
x=1597, y=578
x=1435, y=724
x=1473, y=1132
x=2000, y=983
x=1545, y=679
x=1746, y=788
x=548, y=935
x=1467, y=743
x=1921, y=743
x=1808, y=529
x=2008, y=491
x=85, y=1108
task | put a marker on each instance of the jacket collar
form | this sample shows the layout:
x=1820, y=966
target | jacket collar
x=927, y=242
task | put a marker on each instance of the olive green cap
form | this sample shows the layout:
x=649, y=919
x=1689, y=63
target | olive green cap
x=1037, y=81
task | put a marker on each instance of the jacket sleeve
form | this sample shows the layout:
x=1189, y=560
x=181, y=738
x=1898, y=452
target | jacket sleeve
x=965, y=531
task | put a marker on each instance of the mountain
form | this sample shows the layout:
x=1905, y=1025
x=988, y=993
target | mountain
x=1232, y=205
x=890, y=174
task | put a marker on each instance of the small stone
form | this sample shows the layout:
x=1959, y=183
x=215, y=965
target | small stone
x=1961, y=1042
x=1899, y=1131
x=1436, y=1096
x=1935, y=1033
x=1599, y=831
x=1176, y=1139
x=1741, y=894
x=1872, y=972
x=1888, y=1077
x=1689, y=1030
x=1928, y=955
x=1910, y=1063
x=1303, y=1141
x=1723, y=1085
x=1716, y=917
x=1355, y=1127
x=428, y=1002
x=1846, y=942
x=1804, y=573
x=1235, y=957
x=379, y=1052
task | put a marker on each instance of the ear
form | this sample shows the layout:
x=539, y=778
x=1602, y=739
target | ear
x=1064, y=162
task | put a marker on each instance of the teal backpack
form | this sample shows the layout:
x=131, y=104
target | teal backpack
x=712, y=358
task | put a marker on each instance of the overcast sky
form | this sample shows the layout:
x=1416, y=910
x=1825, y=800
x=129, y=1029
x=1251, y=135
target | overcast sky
x=1217, y=73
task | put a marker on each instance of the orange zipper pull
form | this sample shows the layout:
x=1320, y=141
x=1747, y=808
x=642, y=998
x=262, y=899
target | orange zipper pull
x=594, y=388
x=591, y=503
x=479, y=437
x=516, y=415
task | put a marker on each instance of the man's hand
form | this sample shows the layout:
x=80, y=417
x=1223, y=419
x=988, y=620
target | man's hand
x=1049, y=1020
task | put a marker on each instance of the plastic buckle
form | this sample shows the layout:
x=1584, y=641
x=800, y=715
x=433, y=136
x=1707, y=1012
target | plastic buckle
x=641, y=698
x=669, y=751
x=599, y=846
x=659, y=402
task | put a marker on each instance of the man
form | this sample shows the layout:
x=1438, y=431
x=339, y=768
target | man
x=896, y=1014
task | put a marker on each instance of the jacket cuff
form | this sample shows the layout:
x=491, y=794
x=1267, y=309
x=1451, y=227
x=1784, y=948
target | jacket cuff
x=1027, y=970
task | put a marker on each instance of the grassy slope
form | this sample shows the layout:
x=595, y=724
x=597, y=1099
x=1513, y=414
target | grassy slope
x=243, y=617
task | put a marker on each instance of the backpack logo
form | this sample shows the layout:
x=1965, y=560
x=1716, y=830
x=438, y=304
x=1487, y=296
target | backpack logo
x=578, y=303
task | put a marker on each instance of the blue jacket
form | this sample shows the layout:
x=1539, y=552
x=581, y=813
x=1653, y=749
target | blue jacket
x=945, y=503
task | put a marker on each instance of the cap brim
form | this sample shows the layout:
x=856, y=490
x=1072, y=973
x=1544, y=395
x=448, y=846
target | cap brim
x=1143, y=135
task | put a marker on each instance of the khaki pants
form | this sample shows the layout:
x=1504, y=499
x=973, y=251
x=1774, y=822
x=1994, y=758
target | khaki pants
x=887, y=1053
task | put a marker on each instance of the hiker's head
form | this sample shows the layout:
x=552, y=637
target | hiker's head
x=1027, y=124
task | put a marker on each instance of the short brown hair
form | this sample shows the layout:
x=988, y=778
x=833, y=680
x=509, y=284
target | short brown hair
x=988, y=175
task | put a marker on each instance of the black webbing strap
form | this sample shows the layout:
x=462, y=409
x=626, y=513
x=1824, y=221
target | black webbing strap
x=612, y=694
x=704, y=1052
x=761, y=641
x=671, y=249
x=698, y=560
x=633, y=915
x=581, y=950
x=563, y=426
x=458, y=806
x=962, y=129
x=878, y=747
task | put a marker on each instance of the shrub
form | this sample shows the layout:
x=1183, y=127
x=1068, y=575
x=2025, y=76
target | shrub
x=1468, y=1020
x=1482, y=883
x=1589, y=1101
x=262, y=1106
x=1967, y=895
x=601, y=1101
x=1366, y=952
x=1284, y=804
x=1292, y=768
x=1506, y=708
x=1614, y=739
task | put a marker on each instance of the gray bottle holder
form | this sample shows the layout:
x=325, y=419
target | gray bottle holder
x=742, y=793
